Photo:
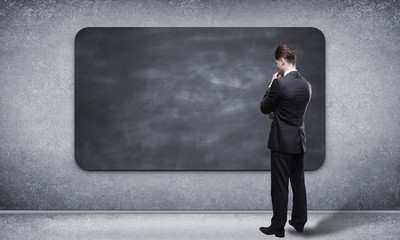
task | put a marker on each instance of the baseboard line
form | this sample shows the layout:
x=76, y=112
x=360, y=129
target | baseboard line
x=188, y=211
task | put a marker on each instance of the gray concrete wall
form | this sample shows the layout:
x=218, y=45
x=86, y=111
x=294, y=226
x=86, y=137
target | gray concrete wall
x=37, y=166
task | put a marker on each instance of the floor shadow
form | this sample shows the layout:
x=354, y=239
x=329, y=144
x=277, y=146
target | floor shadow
x=335, y=222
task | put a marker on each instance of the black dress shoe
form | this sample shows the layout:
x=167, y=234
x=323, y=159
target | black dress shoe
x=298, y=228
x=269, y=231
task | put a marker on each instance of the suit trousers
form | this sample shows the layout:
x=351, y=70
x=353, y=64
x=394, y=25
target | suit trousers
x=286, y=166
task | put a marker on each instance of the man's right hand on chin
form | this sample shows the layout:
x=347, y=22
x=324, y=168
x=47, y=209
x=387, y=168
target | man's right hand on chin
x=271, y=115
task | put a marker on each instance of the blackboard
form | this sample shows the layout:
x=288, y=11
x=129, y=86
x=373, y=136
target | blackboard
x=187, y=98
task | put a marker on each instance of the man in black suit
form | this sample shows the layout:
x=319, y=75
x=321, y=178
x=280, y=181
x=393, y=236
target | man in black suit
x=286, y=101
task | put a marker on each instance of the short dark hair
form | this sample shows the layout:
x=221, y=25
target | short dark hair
x=287, y=52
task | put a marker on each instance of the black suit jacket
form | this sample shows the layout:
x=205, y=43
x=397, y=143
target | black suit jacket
x=288, y=97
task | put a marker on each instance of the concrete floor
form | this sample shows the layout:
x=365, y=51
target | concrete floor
x=192, y=225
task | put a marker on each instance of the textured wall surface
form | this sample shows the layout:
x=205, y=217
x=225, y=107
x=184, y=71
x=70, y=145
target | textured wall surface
x=37, y=166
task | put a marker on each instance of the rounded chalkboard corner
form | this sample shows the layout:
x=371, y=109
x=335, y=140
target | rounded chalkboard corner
x=81, y=165
x=82, y=31
x=320, y=164
x=320, y=32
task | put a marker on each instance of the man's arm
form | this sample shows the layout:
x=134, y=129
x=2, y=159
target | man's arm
x=271, y=98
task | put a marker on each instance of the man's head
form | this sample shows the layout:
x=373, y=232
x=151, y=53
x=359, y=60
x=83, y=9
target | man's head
x=285, y=58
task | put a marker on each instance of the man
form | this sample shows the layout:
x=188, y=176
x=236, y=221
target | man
x=286, y=101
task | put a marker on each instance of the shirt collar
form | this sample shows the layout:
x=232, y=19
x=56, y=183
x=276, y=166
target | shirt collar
x=289, y=71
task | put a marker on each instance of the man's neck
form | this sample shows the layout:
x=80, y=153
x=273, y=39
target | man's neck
x=289, y=70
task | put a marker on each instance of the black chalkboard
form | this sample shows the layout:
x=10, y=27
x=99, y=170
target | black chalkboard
x=187, y=98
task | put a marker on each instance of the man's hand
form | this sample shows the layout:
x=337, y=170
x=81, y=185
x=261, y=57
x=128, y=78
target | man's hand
x=271, y=115
x=276, y=75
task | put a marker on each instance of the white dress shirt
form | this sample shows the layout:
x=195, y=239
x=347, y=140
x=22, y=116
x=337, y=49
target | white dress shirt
x=289, y=71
